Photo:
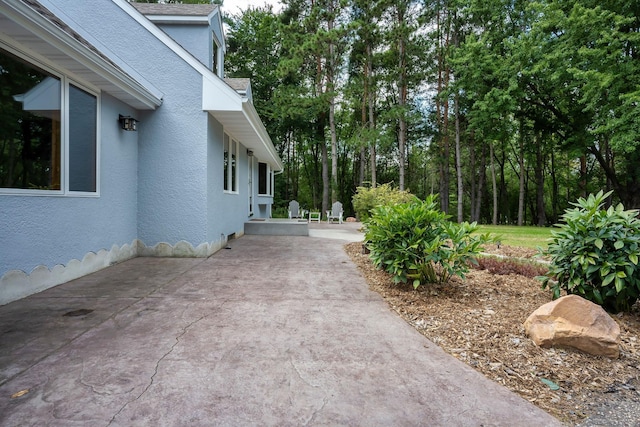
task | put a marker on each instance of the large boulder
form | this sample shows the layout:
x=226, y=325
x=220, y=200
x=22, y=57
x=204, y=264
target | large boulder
x=573, y=321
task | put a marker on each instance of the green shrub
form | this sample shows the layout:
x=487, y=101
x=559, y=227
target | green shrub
x=415, y=241
x=280, y=212
x=366, y=199
x=595, y=254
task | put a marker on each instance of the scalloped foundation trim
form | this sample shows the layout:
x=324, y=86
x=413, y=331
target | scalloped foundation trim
x=17, y=284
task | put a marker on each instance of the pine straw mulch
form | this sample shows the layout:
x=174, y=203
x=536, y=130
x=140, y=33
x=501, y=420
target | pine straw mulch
x=479, y=321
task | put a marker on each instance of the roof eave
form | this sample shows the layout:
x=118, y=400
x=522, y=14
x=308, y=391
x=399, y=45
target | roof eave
x=55, y=36
x=256, y=123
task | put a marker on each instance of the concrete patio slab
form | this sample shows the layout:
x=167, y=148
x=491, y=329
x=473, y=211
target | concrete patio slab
x=276, y=330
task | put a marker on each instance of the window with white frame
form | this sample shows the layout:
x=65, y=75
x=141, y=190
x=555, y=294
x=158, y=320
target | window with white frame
x=216, y=57
x=48, y=131
x=265, y=180
x=250, y=184
x=230, y=159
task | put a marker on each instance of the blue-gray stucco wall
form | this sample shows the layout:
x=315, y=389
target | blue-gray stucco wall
x=194, y=38
x=161, y=184
x=172, y=139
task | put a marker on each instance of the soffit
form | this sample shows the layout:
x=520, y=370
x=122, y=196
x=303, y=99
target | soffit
x=39, y=34
x=246, y=127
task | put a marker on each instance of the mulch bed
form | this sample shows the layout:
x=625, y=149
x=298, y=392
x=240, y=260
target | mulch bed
x=479, y=321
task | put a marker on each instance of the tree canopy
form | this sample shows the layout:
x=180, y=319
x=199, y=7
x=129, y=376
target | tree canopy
x=507, y=109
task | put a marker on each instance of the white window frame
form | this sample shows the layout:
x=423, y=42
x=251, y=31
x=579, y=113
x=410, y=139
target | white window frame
x=233, y=172
x=269, y=179
x=217, y=57
x=65, y=81
x=251, y=168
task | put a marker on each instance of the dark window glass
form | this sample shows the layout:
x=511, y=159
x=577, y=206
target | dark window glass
x=29, y=126
x=82, y=140
x=263, y=178
x=226, y=162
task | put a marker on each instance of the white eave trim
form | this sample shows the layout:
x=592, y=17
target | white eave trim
x=228, y=100
x=58, y=38
x=219, y=96
x=175, y=19
x=256, y=123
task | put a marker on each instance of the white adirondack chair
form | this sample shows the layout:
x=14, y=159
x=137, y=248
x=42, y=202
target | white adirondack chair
x=335, y=214
x=294, y=209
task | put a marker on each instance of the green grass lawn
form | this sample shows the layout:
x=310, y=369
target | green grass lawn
x=524, y=236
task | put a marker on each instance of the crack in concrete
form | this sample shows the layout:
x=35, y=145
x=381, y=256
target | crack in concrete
x=81, y=333
x=324, y=398
x=295, y=368
x=316, y=412
x=155, y=371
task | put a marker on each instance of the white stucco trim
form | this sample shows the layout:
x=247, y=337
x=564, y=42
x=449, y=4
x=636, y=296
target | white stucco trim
x=55, y=36
x=17, y=284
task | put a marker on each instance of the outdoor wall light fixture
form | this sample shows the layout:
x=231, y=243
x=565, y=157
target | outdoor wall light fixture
x=249, y=153
x=127, y=122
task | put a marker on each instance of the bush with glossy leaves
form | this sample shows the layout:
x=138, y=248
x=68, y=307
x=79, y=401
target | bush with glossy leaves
x=416, y=242
x=595, y=254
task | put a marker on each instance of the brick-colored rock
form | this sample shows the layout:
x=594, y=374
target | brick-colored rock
x=573, y=321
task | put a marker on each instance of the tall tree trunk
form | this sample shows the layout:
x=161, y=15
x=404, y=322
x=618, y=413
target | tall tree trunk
x=325, y=165
x=334, y=151
x=331, y=65
x=540, y=208
x=504, y=202
x=446, y=154
x=458, y=159
x=522, y=189
x=494, y=186
x=372, y=122
x=473, y=190
x=442, y=109
x=321, y=137
x=402, y=100
x=363, y=121
x=481, y=182
x=583, y=176
x=555, y=190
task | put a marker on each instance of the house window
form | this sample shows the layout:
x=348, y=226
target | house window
x=231, y=150
x=227, y=144
x=216, y=57
x=48, y=131
x=82, y=140
x=265, y=181
x=250, y=189
x=234, y=165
